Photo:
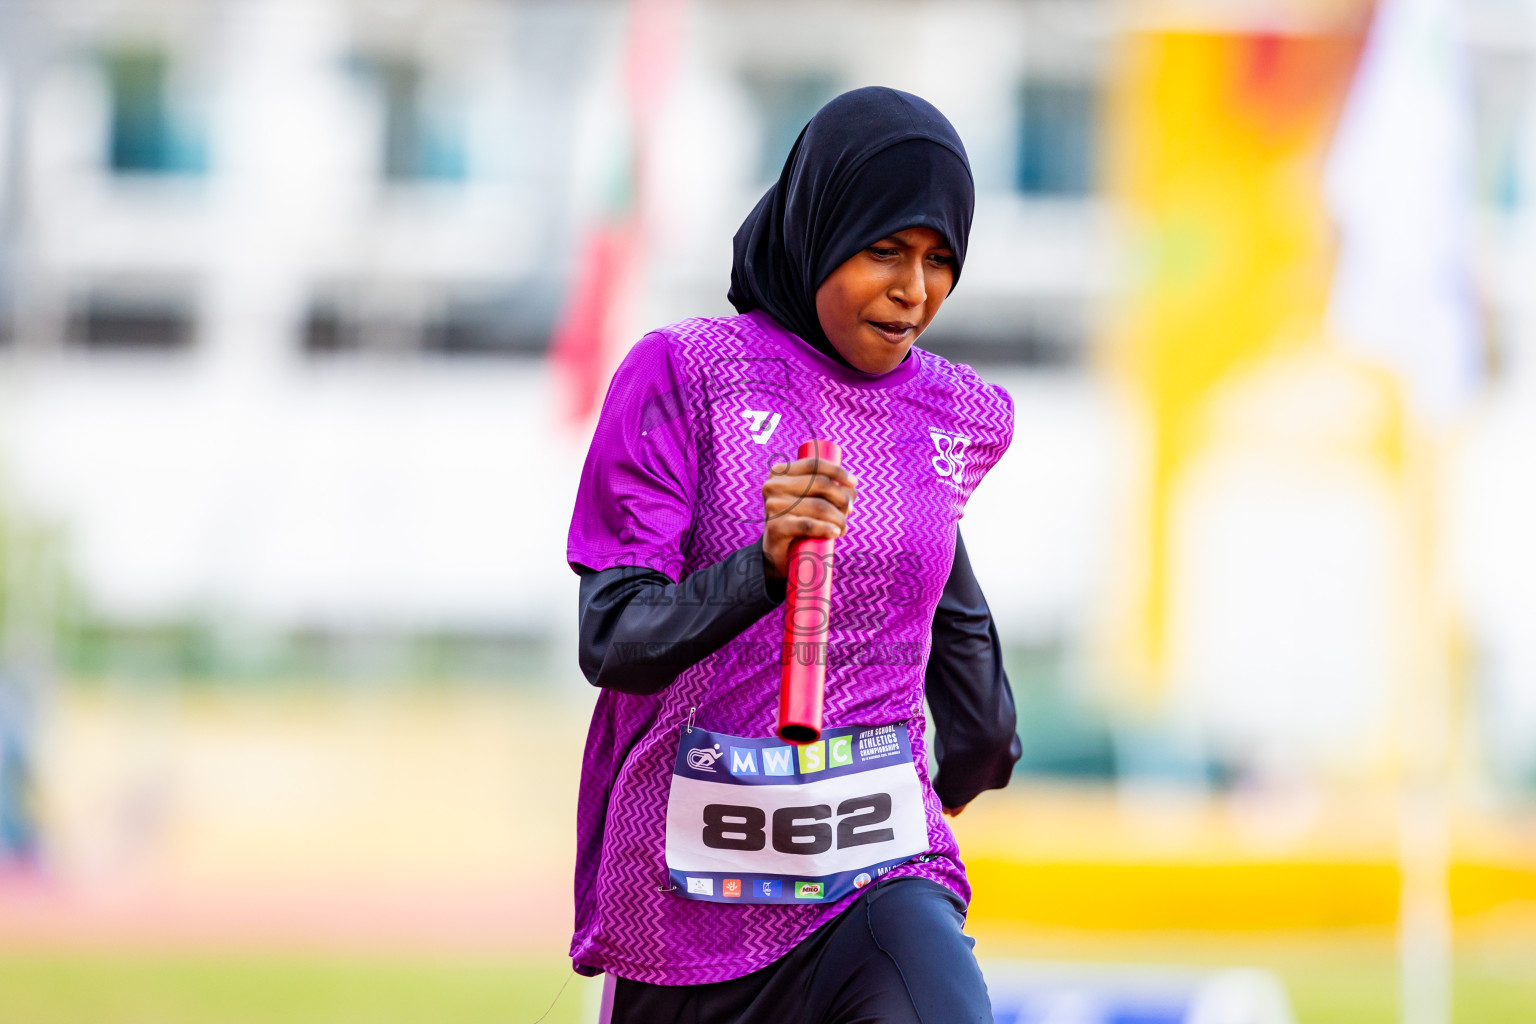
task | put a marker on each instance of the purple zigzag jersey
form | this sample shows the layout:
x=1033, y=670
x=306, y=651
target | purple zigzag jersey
x=694, y=418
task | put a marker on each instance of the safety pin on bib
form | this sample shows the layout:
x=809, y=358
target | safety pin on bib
x=688, y=725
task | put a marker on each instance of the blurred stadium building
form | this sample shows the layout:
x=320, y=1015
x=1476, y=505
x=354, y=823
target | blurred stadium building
x=282, y=278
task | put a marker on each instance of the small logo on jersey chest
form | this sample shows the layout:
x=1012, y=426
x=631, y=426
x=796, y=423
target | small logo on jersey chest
x=760, y=424
x=950, y=452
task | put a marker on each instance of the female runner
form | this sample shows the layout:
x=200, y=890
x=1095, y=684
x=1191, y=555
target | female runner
x=721, y=875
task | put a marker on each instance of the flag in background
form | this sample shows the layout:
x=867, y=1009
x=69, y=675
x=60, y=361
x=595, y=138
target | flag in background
x=585, y=342
x=1218, y=140
x=1399, y=185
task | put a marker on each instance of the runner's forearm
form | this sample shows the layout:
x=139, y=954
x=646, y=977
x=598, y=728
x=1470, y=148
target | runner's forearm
x=639, y=630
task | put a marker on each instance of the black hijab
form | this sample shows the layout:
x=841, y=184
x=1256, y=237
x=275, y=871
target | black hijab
x=872, y=162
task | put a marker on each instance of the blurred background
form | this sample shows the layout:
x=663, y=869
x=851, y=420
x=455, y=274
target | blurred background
x=306, y=307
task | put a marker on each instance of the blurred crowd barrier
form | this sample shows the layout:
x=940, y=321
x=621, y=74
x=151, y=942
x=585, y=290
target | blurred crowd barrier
x=306, y=307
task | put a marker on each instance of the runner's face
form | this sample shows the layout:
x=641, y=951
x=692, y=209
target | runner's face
x=874, y=306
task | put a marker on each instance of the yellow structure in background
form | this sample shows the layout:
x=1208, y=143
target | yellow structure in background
x=1060, y=858
x=1216, y=144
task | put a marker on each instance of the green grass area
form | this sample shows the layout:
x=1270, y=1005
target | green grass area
x=1344, y=977
x=98, y=988
x=1332, y=979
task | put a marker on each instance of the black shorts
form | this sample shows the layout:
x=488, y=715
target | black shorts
x=897, y=955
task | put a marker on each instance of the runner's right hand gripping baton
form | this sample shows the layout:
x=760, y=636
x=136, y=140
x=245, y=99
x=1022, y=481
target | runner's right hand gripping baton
x=807, y=615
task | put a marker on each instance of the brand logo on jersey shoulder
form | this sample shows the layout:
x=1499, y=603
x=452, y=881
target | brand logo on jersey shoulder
x=760, y=424
x=949, y=462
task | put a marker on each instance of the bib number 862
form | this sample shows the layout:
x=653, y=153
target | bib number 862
x=798, y=829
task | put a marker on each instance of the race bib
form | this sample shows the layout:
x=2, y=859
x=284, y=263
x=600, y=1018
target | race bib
x=761, y=821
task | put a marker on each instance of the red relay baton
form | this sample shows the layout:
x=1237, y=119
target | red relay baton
x=807, y=615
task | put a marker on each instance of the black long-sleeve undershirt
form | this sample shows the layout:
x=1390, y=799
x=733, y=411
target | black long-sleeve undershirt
x=639, y=631
x=975, y=737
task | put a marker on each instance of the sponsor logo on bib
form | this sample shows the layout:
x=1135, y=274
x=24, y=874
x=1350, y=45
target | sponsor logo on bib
x=743, y=761
x=879, y=743
x=759, y=821
x=778, y=760
x=813, y=757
